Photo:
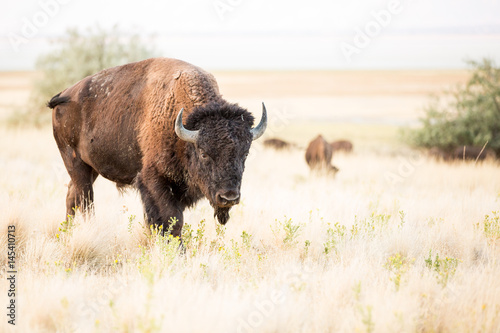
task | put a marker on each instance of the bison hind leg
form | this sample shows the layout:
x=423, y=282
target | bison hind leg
x=80, y=192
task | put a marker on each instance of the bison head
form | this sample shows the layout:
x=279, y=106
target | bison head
x=220, y=135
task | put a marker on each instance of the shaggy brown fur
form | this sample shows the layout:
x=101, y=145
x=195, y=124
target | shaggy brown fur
x=319, y=155
x=119, y=123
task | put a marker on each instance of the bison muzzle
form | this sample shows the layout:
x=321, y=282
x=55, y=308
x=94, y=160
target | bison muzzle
x=160, y=125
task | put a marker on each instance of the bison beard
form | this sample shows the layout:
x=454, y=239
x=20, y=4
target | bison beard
x=222, y=214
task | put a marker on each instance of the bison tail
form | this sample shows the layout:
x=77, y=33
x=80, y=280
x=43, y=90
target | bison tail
x=57, y=100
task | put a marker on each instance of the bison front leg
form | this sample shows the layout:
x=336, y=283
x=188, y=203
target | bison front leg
x=161, y=206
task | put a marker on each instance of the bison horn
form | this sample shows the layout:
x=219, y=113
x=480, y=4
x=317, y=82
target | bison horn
x=261, y=127
x=182, y=132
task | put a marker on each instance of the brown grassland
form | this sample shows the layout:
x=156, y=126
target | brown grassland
x=396, y=242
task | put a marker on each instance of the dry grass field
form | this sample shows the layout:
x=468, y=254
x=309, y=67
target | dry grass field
x=396, y=242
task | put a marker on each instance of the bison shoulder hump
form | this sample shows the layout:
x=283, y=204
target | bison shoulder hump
x=199, y=85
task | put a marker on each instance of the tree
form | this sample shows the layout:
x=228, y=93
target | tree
x=472, y=117
x=77, y=56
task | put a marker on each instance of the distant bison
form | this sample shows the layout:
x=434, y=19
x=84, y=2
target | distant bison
x=277, y=144
x=473, y=153
x=342, y=145
x=439, y=154
x=462, y=153
x=126, y=124
x=319, y=155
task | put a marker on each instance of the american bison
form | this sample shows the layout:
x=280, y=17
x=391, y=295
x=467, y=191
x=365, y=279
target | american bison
x=319, y=155
x=126, y=124
x=473, y=153
x=462, y=153
x=439, y=154
x=342, y=145
x=277, y=144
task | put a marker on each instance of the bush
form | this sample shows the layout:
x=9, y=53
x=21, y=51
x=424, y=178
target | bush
x=78, y=56
x=472, y=117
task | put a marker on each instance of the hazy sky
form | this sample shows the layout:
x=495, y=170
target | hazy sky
x=279, y=34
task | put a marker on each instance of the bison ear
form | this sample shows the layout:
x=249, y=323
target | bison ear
x=183, y=133
x=261, y=127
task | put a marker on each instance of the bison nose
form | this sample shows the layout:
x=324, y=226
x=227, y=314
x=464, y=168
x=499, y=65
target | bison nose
x=228, y=198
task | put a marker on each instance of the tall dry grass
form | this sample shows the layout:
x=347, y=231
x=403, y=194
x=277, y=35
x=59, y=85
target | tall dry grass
x=301, y=253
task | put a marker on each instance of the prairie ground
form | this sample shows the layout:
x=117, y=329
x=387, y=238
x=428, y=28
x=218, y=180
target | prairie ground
x=396, y=242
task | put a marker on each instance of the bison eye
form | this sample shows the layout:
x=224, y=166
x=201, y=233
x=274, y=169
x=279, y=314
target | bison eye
x=203, y=155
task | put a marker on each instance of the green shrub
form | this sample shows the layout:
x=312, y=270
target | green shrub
x=444, y=268
x=490, y=226
x=398, y=265
x=334, y=235
x=76, y=56
x=291, y=230
x=471, y=117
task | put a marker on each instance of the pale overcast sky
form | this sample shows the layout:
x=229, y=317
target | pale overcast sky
x=279, y=34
